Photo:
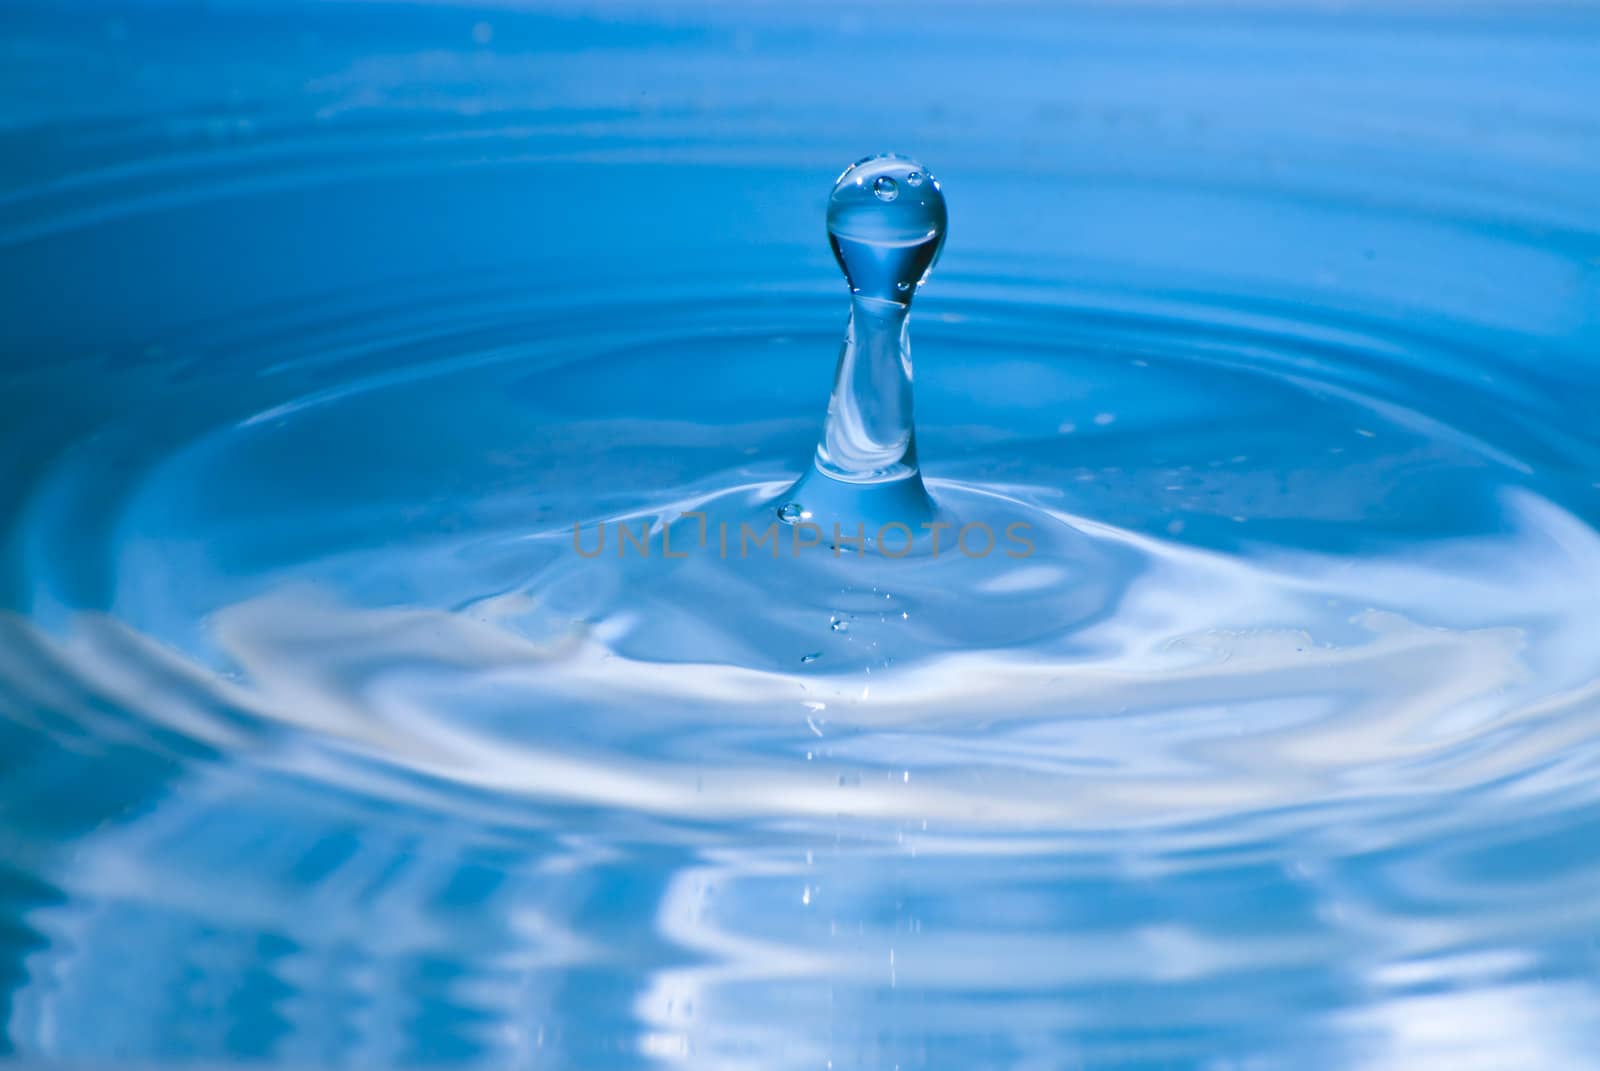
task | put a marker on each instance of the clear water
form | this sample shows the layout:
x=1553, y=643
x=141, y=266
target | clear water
x=322, y=744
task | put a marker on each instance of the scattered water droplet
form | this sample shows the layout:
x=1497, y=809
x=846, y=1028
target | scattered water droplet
x=886, y=188
x=914, y=179
x=791, y=512
x=839, y=623
x=807, y=659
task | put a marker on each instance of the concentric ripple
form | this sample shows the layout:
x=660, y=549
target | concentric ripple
x=1228, y=587
x=1262, y=732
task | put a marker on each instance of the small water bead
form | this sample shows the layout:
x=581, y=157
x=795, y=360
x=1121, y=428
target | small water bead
x=885, y=188
x=914, y=179
x=792, y=512
x=839, y=623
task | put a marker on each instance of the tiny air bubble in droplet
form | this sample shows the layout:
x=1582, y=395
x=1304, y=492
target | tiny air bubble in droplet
x=886, y=188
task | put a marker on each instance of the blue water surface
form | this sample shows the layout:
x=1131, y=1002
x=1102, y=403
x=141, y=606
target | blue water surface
x=322, y=747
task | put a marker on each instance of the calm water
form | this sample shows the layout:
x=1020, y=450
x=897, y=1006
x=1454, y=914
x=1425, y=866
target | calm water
x=321, y=746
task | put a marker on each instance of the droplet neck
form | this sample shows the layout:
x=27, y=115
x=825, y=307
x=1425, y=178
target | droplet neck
x=868, y=436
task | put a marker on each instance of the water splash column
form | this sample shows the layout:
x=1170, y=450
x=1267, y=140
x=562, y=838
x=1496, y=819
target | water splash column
x=886, y=223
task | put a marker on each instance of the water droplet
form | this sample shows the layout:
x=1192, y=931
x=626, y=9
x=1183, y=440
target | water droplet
x=902, y=286
x=914, y=179
x=839, y=623
x=791, y=512
x=807, y=659
x=890, y=235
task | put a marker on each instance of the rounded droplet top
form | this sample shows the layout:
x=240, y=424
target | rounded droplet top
x=886, y=222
